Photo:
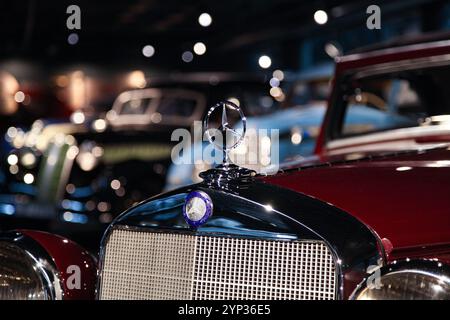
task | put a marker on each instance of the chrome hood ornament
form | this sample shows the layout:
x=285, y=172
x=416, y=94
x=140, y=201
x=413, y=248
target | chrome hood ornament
x=225, y=138
x=219, y=137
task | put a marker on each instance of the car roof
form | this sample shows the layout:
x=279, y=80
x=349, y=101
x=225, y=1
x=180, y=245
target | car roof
x=406, y=40
x=407, y=52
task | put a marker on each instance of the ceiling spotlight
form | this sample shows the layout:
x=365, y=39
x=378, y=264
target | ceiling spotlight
x=73, y=38
x=28, y=178
x=199, y=48
x=148, y=51
x=204, y=19
x=136, y=79
x=274, y=82
x=12, y=159
x=19, y=97
x=265, y=62
x=187, y=56
x=275, y=92
x=333, y=50
x=278, y=74
x=77, y=117
x=99, y=125
x=320, y=17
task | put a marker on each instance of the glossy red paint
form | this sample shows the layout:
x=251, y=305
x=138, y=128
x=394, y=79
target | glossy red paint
x=65, y=253
x=405, y=198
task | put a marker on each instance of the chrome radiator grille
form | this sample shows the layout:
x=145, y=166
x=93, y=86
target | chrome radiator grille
x=151, y=265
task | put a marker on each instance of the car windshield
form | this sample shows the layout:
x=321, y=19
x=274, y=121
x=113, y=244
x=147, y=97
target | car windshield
x=307, y=93
x=159, y=105
x=399, y=99
x=176, y=106
x=135, y=106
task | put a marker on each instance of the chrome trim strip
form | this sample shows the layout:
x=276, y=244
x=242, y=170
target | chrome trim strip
x=403, y=65
x=389, y=135
x=405, y=48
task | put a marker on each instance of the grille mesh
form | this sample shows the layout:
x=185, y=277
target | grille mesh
x=148, y=265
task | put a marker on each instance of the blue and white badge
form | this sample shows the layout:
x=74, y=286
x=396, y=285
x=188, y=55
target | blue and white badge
x=197, y=209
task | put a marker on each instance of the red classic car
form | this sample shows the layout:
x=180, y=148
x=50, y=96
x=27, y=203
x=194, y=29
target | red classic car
x=367, y=217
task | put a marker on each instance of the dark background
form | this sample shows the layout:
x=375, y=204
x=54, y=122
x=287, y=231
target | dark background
x=35, y=50
x=114, y=32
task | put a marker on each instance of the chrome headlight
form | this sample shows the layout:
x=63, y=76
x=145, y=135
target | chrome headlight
x=408, y=280
x=25, y=272
x=19, y=280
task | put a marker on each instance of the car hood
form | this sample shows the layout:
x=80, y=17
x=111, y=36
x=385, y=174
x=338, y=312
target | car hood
x=404, y=197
